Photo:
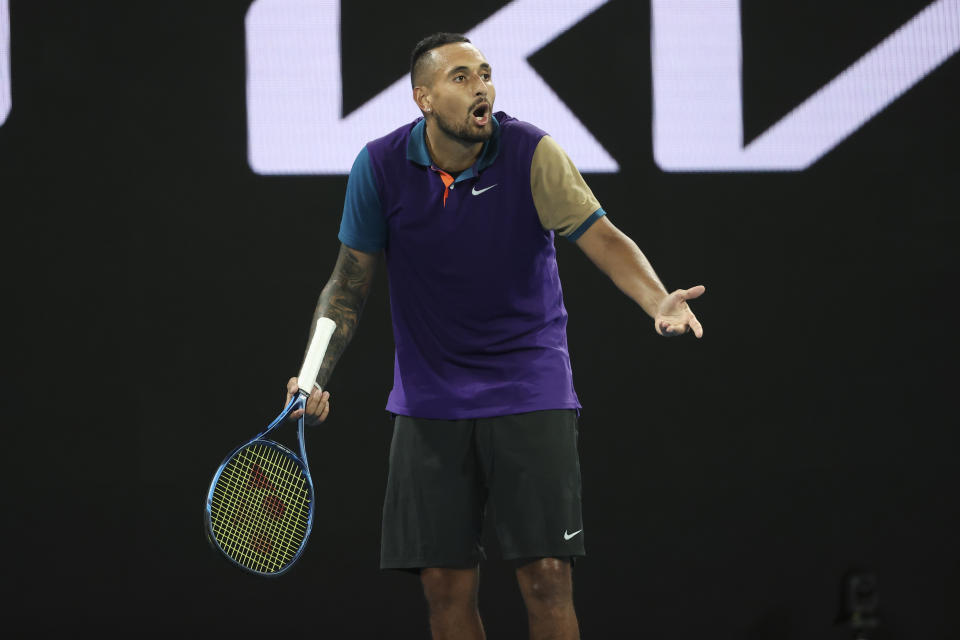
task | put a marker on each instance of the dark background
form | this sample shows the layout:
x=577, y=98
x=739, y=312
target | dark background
x=158, y=295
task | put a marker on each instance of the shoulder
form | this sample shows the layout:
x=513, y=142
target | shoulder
x=548, y=150
x=518, y=129
x=396, y=140
x=517, y=140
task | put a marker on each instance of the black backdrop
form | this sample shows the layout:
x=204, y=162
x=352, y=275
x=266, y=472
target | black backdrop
x=158, y=294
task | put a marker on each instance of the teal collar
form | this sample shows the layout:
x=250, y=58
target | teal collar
x=417, y=149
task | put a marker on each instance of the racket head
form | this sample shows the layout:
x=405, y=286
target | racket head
x=259, y=508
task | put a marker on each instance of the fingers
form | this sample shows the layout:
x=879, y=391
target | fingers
x=690, y=323
x=292, y=389
x=692, y=292
x=668, y=330
x=696, y=326
x=326, y=410
x=318, y=406
x=674, y=316
x=676, y=301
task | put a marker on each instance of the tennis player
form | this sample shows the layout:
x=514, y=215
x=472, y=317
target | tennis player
x=464, y=204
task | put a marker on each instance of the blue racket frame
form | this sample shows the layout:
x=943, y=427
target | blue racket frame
x=298, y=402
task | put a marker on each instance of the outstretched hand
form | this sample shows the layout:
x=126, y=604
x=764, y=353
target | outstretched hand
x=318, y=404
x=674, y=316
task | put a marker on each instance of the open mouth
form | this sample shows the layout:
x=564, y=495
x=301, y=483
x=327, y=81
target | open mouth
x=481, y=115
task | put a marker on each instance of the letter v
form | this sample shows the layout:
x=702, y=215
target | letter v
x=698, y=109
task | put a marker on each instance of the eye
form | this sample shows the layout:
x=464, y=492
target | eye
x=459, y=78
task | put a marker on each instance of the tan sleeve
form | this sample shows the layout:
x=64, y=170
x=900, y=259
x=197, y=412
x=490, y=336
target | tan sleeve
x=563, y=199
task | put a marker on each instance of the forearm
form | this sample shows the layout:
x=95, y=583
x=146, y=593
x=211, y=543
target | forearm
x=333, y=304
x=619, y=257
x=342, y=300
x=634, y=275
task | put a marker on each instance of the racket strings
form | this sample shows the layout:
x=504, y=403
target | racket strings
x=257, y=533
x=265, y=542
x=260, y=508
x=238, y=522
x=275, y=505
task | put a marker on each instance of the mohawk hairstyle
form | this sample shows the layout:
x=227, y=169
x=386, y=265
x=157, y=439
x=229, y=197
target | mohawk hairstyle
x=425, y=46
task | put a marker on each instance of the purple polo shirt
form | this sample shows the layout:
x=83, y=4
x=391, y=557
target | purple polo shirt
x=478, y=317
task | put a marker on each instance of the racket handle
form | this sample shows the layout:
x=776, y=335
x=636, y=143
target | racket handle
x=315, y=352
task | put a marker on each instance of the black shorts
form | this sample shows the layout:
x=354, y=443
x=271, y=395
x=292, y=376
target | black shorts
x=443, y=472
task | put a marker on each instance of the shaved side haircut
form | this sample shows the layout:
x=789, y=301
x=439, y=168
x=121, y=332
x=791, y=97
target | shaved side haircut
x=418, y=61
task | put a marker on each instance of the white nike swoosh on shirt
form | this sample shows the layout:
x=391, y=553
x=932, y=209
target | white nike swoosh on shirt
x=476, y=193
x=567, y=536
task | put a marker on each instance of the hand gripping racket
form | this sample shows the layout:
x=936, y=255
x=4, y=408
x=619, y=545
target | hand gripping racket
x=259, y=509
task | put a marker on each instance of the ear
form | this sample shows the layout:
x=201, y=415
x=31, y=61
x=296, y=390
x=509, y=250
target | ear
x=423, y=99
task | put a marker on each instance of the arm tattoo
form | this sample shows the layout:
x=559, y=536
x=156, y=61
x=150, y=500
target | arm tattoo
x=342, y=301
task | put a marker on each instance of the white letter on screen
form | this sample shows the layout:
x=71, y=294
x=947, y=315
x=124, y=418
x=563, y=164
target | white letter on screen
x=294, y=90
x=5, y=95
x=697, y=90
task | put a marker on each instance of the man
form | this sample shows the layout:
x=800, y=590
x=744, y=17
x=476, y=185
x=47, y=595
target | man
x=464, y=204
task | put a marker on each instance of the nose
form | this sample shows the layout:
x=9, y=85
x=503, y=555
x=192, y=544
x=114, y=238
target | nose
x=479, y=85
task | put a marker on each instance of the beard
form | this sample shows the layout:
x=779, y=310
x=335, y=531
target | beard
x=464, y=131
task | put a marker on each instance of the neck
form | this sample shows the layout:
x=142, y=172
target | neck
x=450, y=154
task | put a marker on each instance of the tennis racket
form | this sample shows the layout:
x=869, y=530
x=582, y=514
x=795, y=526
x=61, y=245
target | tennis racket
x=259, y=509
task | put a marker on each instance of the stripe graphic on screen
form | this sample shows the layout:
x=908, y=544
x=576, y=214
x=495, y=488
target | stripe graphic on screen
x=698, y=103
x=5, y=96
x=294, y=89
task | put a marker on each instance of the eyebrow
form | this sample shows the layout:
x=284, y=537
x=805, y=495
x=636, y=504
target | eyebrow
x=484, y=66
